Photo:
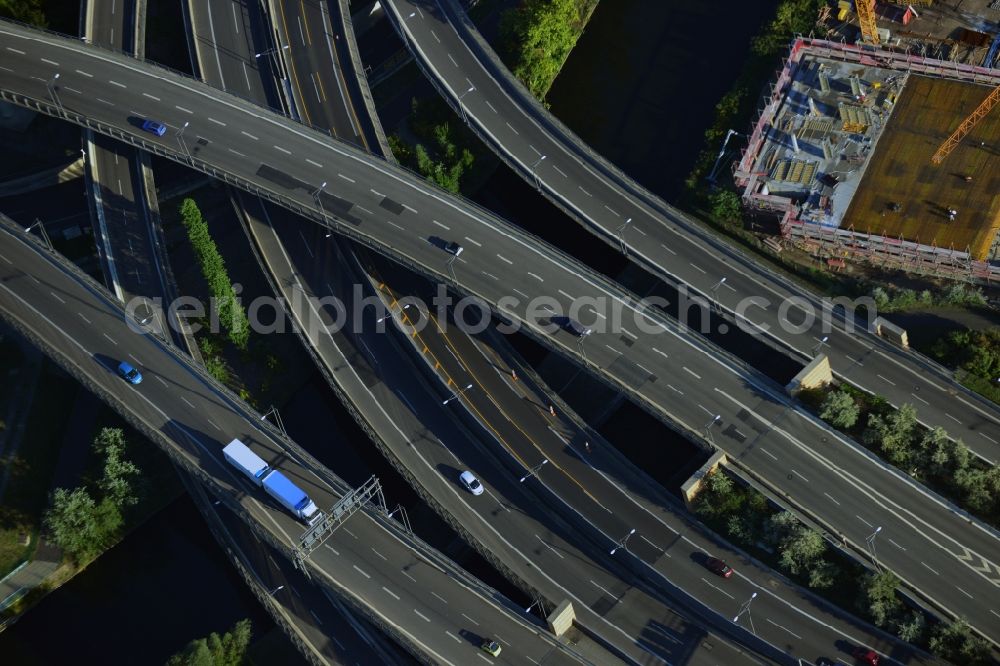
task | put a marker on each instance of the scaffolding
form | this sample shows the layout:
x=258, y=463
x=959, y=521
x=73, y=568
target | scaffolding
x=885, y=252
x=751, y=171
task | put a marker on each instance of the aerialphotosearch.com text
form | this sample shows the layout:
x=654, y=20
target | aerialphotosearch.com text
x=364, y=311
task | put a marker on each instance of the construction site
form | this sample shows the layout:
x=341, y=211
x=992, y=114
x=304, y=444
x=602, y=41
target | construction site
x=868, y=151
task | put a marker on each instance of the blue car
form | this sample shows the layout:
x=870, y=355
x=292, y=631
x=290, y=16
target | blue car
x=153, y=127
x=128, y=373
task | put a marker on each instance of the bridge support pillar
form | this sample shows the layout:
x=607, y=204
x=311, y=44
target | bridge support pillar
x=691, y=487
x=814, y=375
x=562, y=618
x=886, y=329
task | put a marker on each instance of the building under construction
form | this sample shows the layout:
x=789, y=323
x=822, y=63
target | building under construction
x=871, y=154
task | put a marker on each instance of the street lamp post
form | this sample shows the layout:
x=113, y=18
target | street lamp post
x=461, y=107
x=41, y=231
x=180, y=139
x=450, y=264
x=277, y=419
x=275, y=590
x=456, y=394
x=708, y=427
x=621, y=236
x=51, y=85
x=819, y=345
x=622, y=543
x=318, y=196
x=715, y=289
x=745, y=608
x=275, y=50
x=534, y=172
x=870, y=540
x=383, y=318
x=534, y=470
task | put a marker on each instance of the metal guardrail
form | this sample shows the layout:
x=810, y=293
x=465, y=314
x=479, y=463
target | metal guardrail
x=228, y=544
x=429, y=555
x=737, y=365
x=387, y=451
x=527, y=101
x=347, y=26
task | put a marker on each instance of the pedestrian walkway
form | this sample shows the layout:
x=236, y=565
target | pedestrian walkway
x=30, y=574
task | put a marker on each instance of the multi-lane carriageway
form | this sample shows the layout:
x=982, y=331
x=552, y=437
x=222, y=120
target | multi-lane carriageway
x=927, y=542
x=367, y=560
x=667, y=242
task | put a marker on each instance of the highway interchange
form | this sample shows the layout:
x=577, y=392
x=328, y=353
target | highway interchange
x=130, y=243
x=324, y=261
x=216, y=122
x=355, y=378
x=363, y=559
x=665, y=241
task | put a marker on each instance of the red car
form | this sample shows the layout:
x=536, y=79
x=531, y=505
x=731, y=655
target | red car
x=718, y=567
x=865, y=656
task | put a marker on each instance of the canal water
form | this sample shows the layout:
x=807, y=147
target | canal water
x=643, y=81
x=142, y=601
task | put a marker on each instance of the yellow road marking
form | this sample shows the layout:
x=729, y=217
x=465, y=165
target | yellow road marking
x=439, y=366
x=291, y=61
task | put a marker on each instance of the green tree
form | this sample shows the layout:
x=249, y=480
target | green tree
x=226, y=650
x=780, y=527
x=726, y=206
x=955, y=642
x=116, y=481
x=878, y=597
x=79, y=525
x=400, y=149
x=839, y=409
x=893, y=434
x=538, y=36
x=718, y=497
x=196, y=653
x=109, y=438
x=911, y=629
x=225, y=300
x=791, y=17
x=822, y=574
x=28, y=11
x=801, y=549
x=980, y=487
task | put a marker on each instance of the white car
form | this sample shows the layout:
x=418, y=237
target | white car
x=470, y=482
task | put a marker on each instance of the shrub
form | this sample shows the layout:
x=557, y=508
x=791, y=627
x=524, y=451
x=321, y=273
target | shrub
x=955, y=642
x=878, y=597
x=231, y=313
x=226, y=650
x=539, y=35
x=79, y=525
x=840, y=409
x=726, y=206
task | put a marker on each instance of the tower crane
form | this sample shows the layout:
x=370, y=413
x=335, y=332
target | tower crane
x=866, y=17
x=960, y=133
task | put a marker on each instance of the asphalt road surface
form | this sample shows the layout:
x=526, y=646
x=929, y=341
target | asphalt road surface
x=424, y=435
x=669, y=243
x=53, y=303
x=673, y=372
